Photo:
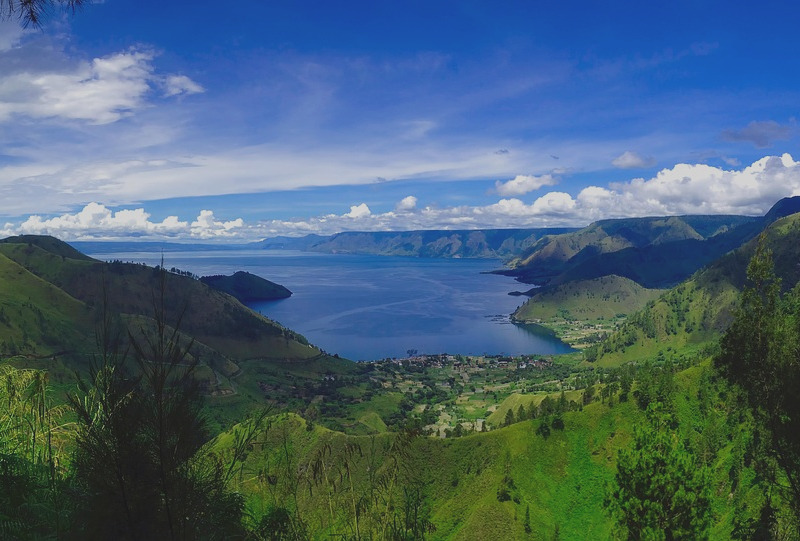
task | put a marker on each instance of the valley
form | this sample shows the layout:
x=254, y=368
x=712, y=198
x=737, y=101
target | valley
x=421, y=445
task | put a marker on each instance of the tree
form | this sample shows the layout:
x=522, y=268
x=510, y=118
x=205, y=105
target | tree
x=588, y=395
x=660, y=491
x=759, y=355
x=141, y=457
x=625, y=382
x=509, y=420
x=526, y=524
x=33, y=12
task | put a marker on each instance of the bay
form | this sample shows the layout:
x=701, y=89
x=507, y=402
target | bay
x=366, y=307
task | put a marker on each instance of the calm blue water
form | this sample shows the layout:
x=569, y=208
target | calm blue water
x=374, y=307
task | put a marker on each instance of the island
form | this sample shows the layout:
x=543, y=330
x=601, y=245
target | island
x=245, y=287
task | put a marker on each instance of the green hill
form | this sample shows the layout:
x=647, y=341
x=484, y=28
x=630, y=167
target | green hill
x=694, y=313
x=482, y=485
x=53, y=300
x=604, y=297
x=38, y=319
x=580, y=254
x=536, y=479
x=210, y=316
x=50, y=244
x=583, y=312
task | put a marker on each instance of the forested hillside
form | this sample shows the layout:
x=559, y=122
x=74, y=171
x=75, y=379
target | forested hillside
x=696, y=312
x=654, y=252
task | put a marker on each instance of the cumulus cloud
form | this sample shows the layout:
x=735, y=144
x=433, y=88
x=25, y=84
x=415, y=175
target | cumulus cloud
x=95, y=220
x=682, y=189
x=206, y=226
x=760, y=133
x=407, y=204
x=101, y=91
x=359, y=211
x=522, y=184
x=632, y=160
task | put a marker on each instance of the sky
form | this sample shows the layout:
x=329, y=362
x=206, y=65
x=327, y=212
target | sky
x=219, y=122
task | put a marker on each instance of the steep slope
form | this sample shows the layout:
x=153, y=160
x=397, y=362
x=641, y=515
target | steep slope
x=52, y=305
x=211, y=317
x=482, y=485
x=38, y=319
x=49, y=244
x=694, y=313
x=642, y=249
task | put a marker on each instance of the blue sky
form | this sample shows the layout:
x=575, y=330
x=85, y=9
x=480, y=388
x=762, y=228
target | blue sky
x=196, y=121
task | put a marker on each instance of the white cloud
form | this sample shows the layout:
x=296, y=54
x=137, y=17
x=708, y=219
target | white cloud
x=98, y=221
x=682, y=189
x=63, y=181
x=206, y=226
x=100, y=91
x=178, y=85
x=407, y=204
x=522, y=184
x=632, y=160
x=359, y=211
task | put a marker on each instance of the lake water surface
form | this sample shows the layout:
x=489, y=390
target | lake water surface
x=373, y=307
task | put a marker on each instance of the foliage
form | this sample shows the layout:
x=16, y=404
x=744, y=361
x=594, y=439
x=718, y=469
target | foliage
x=33, y=479
x=659, y=491
x=140, y=458
x=760, y=355
x=33, y=12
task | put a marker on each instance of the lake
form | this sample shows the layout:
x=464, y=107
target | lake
x=373, y=307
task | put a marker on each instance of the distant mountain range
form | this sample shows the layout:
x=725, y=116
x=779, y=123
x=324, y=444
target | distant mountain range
x=657, y=252
x=697, y=311
x=483, y=243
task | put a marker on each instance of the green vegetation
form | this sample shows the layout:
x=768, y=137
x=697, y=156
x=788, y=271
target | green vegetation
x=759, y=355
x=585, y=312
x=693, y=315
x=140, y=463
x=655, y=252
x=659, y=490
x=177, y=430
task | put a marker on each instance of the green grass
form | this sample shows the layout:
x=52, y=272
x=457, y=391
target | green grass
x=562, y=478
x=36, y=318
x=514, y=401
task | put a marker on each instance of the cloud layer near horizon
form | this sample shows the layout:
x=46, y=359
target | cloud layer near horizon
x=682, y=189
